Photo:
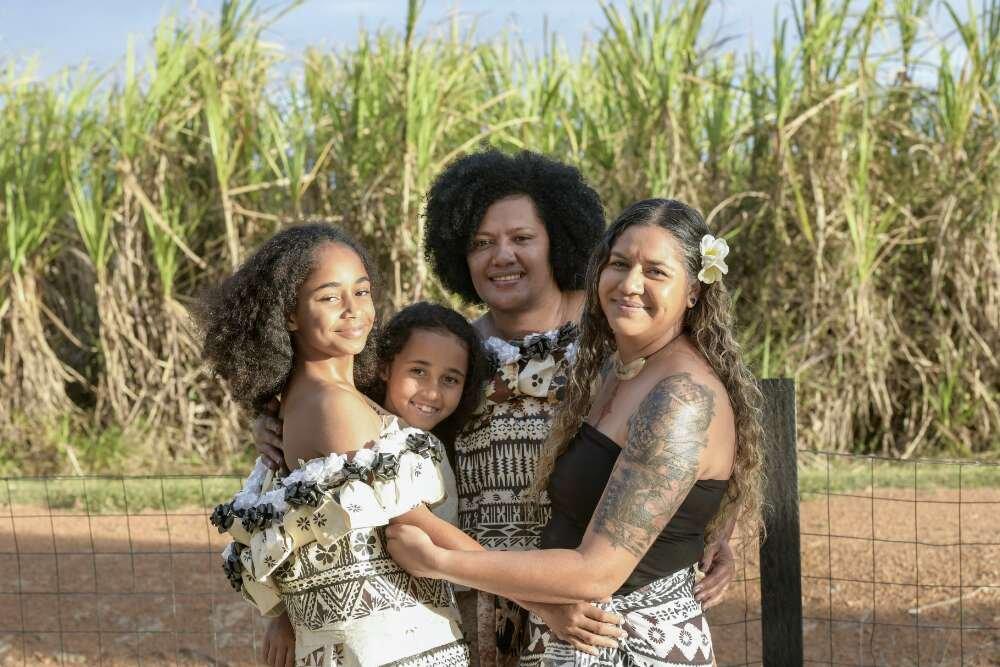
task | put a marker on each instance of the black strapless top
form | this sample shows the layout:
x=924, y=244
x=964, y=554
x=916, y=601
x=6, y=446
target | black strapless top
x=575, y=488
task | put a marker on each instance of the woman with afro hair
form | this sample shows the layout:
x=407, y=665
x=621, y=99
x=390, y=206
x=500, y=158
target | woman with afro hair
x=513, y=233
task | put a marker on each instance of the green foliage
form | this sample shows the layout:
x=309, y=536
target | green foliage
x=857, y=184
x=903, y=480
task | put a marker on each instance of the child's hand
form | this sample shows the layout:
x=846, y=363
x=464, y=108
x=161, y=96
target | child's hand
x=279, y=643
x=585, y=626
x=267, y=436
x=413, y=550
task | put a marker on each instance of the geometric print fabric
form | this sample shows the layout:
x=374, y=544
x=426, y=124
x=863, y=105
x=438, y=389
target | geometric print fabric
x=665, y=627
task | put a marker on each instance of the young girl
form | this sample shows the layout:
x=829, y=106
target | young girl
x=294, y=321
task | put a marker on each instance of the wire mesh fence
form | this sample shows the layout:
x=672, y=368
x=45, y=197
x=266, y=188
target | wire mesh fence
x=118, y=572
x=900, y=566
x=900, y=561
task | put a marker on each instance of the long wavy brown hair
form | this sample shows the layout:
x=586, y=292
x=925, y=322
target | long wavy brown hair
x=709, y=325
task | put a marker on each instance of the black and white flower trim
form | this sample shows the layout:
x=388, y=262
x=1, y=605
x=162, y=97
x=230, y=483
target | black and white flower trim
x=314, y=479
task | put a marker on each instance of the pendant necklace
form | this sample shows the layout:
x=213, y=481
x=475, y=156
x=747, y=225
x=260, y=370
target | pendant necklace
x=630, y=370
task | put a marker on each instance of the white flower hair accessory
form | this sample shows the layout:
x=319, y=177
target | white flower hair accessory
x=713, y=259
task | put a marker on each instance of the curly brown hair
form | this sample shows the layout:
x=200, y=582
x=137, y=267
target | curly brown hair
x=243, y=320
x=709, y=324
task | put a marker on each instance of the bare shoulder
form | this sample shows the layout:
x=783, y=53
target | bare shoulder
x=676, y=413
x=686, y=416
x=329, y=419
x=688, y=371
x=339, y=402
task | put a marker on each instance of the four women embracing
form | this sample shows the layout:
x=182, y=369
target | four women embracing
x=597, y=425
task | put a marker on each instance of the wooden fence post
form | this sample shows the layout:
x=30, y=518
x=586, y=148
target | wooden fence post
x=780, y=565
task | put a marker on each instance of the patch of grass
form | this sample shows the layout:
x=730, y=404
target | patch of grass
x=109, y=495
x=818, y=474
x=821, y=473
x=69, y=446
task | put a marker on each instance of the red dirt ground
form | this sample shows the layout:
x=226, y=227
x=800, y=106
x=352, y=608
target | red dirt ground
x=148, y=589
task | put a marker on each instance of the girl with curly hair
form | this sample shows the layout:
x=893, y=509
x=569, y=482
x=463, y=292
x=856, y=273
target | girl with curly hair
x=656, y=446
x=309, y=547
x=431, y=369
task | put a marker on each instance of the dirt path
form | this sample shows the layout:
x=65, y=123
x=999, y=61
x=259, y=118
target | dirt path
x=147, y=589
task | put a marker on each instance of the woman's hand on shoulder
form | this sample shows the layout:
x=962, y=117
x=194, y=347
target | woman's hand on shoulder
x=267, y=436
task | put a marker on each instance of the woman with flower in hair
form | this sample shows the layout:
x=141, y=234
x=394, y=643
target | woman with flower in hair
x=655, y=447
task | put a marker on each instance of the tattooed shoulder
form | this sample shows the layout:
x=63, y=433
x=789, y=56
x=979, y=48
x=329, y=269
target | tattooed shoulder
x=672, y=420
x=659, y=463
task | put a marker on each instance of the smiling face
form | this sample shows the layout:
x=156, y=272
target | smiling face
x=425, y=380
x=335, y=312
x=509, y=256
x=644, y=288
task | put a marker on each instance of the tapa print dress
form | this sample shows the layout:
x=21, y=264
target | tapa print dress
x=496, y=455
x=313, y=544
x=666, y=628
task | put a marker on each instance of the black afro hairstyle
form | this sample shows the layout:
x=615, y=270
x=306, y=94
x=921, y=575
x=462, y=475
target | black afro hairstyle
x=570, y=209
x=244, y=320
x=424, y=316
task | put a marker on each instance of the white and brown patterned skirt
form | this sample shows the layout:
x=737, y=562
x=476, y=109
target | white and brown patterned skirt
x=351, y=605
x=665, y=626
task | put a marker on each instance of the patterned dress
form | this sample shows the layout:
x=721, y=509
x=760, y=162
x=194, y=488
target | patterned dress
x=496, y=455
x=666, y=628
x=313, y=544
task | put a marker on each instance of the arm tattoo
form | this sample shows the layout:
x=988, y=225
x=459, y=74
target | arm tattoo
x=658, y=465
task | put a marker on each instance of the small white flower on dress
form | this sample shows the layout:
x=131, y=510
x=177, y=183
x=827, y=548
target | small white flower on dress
x=248, y=496
x=332, y=465
x=314, y=470
x=504, y=351
x=364, y=457
x=713, y=259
